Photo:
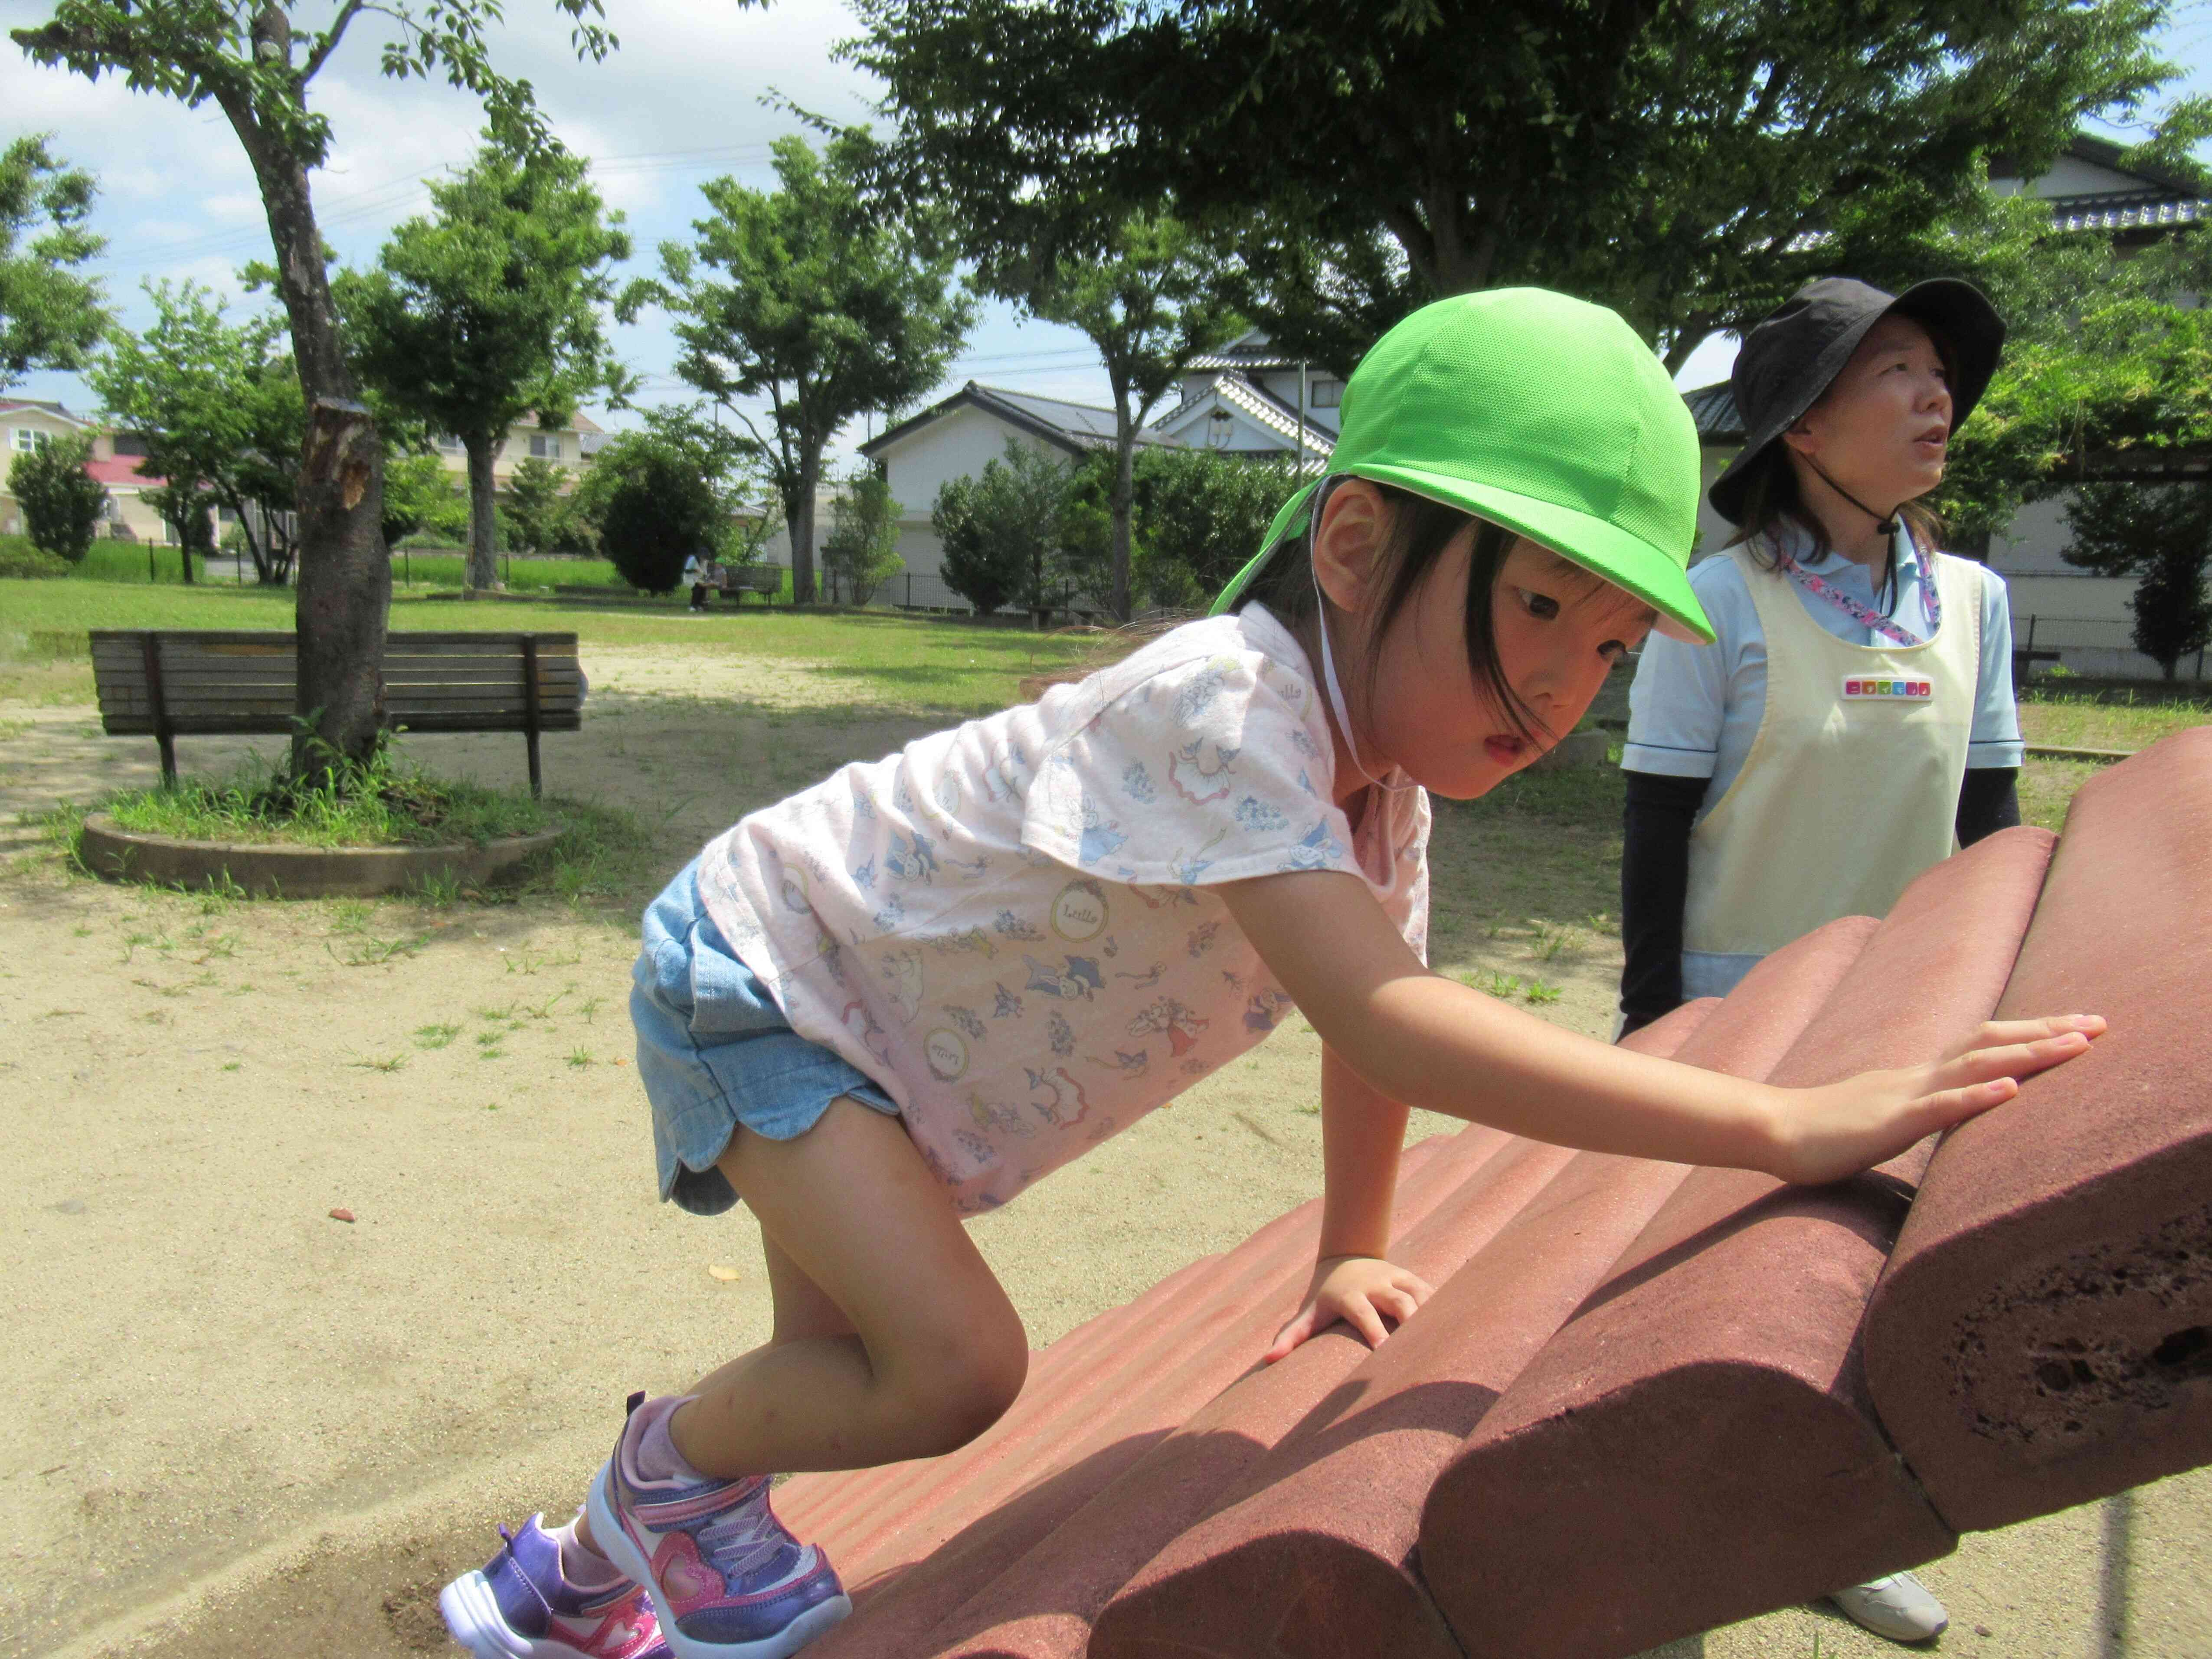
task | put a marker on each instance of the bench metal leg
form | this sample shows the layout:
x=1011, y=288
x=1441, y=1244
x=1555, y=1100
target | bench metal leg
x=537, y=784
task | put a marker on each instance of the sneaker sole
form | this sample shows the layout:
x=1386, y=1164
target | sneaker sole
x=472, y=1615
x=614, y=1540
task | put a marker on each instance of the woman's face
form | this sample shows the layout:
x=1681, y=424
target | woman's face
x=1559, y=631
x=1883, y=426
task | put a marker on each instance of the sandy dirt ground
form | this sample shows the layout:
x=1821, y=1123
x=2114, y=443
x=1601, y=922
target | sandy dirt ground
x=242, y=1427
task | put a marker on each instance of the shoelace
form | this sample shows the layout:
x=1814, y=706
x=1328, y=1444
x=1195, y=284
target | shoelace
x=750, y=1538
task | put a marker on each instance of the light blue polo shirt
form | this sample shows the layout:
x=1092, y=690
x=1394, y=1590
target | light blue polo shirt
x=1694, y=709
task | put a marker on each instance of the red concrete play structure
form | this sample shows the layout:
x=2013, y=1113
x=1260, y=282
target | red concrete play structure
x=1646, y=1400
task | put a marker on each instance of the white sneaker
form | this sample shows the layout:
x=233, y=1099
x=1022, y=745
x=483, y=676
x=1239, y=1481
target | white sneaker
x=1898, y=1606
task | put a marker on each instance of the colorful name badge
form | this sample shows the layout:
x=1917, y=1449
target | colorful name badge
x=1859, y=689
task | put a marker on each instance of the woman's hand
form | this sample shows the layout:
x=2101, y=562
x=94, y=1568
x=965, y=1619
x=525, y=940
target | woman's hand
x=1360, y=1290
x=1826, y=1133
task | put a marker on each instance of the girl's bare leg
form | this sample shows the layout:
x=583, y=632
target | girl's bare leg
x=892, y=1339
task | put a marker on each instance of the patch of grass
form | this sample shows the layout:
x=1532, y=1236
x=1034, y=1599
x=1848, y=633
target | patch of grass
x=2116, y=717
x=579, y=1056
x=382, y=802
x=435, y=1036
x=1506, y=987
x=391, y=1065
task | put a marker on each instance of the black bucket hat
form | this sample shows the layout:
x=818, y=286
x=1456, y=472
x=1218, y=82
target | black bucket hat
x=1792, y=357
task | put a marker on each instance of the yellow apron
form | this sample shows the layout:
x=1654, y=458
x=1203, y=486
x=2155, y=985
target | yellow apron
x=1851, y=786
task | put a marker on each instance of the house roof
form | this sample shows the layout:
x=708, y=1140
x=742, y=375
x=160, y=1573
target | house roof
x=1077, y=428
x=44, y=406
x=124, y=470
x=1714, y=409
x=1257, y=405
x=1252, y=351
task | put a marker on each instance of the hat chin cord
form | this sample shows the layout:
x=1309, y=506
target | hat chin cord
x=1885, y=522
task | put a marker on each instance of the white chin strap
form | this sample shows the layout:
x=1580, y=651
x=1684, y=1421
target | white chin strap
x=1328, y=674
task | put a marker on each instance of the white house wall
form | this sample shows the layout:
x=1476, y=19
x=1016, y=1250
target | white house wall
x=919, y=465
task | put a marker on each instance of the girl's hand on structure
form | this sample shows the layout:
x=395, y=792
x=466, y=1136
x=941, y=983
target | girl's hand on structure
x=1828, y=1133
x=1361, y=1290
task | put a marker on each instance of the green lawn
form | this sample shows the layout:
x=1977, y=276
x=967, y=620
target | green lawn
x=2116, y=718
x=921, y=662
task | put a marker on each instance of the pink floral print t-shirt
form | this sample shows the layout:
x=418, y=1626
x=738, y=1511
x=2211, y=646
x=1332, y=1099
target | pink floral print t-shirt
x=1011, y=926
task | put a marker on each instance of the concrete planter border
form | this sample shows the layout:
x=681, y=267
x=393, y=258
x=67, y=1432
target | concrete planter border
x=275, y=870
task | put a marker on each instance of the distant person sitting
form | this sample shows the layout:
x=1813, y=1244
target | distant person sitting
x=694, y=572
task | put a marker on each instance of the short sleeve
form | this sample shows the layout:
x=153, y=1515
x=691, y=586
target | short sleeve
x=1995, y=740
x=1214, y=769
x=1679, y=699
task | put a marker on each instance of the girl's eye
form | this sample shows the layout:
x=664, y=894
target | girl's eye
x=1614, y=654
x=1542, y=607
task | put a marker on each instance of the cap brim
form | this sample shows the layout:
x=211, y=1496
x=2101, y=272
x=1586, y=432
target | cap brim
x=1598, y=545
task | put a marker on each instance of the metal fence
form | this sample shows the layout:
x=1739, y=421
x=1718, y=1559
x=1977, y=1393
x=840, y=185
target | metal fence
x=2088, y=644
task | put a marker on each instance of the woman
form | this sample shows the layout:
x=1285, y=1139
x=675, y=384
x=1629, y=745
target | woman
x=1853, y=722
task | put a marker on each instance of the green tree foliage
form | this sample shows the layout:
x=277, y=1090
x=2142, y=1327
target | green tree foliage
x=1678, y=161
x=61, y=502
x=2162, y=535
x=660, y=494
x=1151, y=301
x=420, y=500
x=1196, y=516
x=255, y=60
x=815, y=299
x=491, y=309
x=540, y=516
x=860, y=552
x=1007, y=533
x=219, y=407
x=50, y=316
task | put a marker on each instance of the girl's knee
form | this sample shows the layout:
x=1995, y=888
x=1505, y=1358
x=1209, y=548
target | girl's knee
x=971, y=1384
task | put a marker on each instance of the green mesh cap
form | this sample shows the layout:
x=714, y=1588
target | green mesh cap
x=1539, y=412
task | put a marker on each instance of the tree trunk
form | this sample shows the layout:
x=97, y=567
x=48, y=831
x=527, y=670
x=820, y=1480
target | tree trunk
x=185, y=552
x=1125, y=473
x=344, y=592
x=483, y=513
x=799, y=516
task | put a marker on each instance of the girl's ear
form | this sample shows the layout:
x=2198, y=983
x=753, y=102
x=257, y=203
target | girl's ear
x=1347, y=549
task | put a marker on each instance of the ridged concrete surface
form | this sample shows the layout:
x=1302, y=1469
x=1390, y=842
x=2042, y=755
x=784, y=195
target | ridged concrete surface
x=2044, y=1334
x=1639, y=1404
x=1696, y=1444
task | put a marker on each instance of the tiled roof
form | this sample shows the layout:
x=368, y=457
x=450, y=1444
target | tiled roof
x=1714, y=408
x=1644, y=1400
x=2143, y=210
x=123, y=470
x=1074, y=428
x=1255, y=404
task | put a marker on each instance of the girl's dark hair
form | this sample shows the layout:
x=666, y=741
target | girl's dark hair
x=1420, y=530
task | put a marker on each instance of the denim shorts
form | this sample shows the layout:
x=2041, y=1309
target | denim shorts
x=714, y=1051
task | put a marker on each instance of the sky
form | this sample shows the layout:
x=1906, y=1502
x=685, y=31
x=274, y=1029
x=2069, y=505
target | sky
x=692, y=94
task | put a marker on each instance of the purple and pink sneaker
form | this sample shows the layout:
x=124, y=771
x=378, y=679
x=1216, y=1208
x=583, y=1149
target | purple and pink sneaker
x=522, y=1606
x=728, y=1581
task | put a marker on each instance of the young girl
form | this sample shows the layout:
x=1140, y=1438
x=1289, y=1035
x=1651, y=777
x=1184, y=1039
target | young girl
x=1853, y=722
x=913, y=990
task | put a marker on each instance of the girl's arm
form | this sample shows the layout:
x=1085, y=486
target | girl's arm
x=1360, y=1133
x=1422, y=1040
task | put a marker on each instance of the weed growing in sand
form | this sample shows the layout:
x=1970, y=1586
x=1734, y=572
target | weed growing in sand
x=375, y=952
x=545, y=1009
x=497, y=1015
x=589, y=1006
x=1506, y=987
x=232, y=1065
x=579, y=1056
x=435, y=1036
x=394, y=1063
x=80, y=933
x=1552, y=941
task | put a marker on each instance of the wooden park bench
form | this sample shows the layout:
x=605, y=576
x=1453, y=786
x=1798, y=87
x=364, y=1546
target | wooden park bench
x=162, y=683
x=740, y=580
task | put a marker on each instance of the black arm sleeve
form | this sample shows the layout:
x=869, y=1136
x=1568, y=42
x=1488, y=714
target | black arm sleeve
x=1655, y=881
x=1988, y=801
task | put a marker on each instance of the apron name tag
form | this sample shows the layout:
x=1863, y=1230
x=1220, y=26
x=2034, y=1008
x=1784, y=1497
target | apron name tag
x=1858, y=689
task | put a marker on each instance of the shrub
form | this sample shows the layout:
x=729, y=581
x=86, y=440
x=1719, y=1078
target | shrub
x=61, y=502
x=22, y=558
x=860, y=552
